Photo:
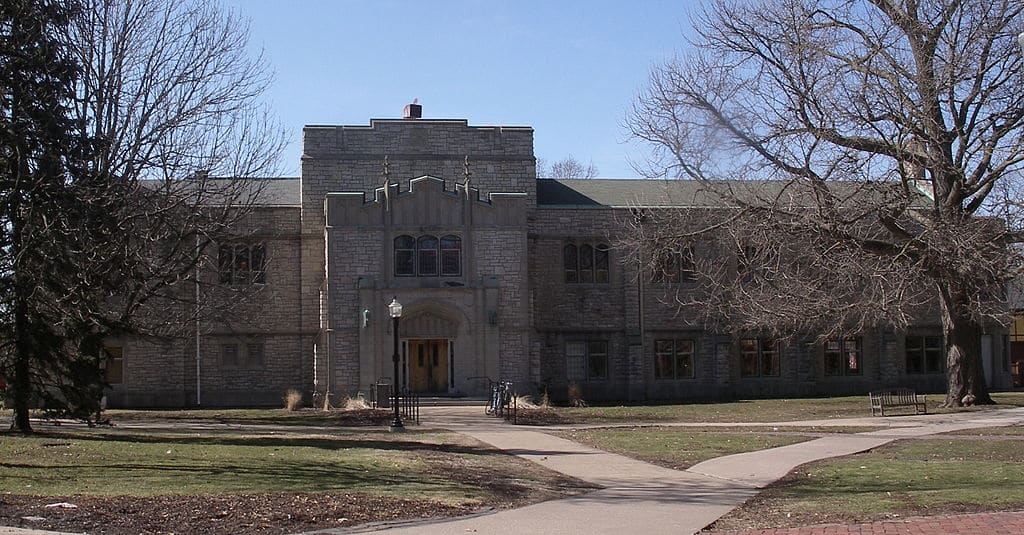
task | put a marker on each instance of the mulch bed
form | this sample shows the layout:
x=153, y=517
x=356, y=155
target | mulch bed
x=215, y=515
x=540, y=416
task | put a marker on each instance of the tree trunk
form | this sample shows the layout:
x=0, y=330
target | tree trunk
x=964, y=370
x=23, y=346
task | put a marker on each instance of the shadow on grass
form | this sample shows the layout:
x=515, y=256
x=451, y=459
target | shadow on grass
x=330, y=444
x=281, y=475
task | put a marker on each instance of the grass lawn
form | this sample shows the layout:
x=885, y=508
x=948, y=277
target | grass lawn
x=302, y=417
x=1008, y=431
x=678, y=447
x=372, y=476
x=756, y=410
x=906, y=478
x=102, y=462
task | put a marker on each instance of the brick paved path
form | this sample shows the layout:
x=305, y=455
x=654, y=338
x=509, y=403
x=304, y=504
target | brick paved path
x=976, y=524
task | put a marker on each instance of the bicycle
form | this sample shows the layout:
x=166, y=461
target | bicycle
x=500, y=398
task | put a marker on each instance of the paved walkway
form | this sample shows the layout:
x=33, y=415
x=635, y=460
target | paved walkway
x=639, y=497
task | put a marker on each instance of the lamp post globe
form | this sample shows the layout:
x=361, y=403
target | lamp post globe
x=395, y=310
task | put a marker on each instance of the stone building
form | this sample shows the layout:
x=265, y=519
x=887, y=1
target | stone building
x=500, y=274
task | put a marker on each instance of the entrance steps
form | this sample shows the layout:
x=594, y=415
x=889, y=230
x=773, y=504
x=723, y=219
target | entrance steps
x=450, y=401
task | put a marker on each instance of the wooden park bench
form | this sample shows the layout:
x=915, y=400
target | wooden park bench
x=894, y=398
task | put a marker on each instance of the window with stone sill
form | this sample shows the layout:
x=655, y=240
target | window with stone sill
x=673, y=359
x=428, y=256
x=844, y=357
x=586, y=360
x=924, y=354
x=240, y=264
x=759, y=357
x=585, y=262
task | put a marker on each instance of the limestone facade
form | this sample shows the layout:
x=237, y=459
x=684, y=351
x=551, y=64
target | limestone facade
x=451, y=220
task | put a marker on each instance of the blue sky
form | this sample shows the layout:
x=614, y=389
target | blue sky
x=569, y=69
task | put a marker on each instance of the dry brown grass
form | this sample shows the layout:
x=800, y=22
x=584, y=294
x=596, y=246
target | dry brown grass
x=525, y=402
x=292, y=400
x=355, y=404
x=576, y=396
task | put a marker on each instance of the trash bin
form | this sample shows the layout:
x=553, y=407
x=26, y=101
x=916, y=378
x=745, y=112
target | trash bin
x=381, y=395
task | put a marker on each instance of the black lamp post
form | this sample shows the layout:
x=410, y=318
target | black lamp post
x=395, y=309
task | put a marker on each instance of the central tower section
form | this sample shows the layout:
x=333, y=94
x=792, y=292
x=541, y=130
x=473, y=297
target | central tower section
x=433, y=213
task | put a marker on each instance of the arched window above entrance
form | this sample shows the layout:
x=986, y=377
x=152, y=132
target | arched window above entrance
x=428, y=256
x=426, y=252
x=451, y=255
x=405, y=256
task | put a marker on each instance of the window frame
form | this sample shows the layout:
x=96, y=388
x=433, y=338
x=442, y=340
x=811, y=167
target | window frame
x=672, y=356
x=446, y=254
x=931, y=349
x=412, y=254
x=586, y=360
x=586, y=262
x=570, y=263
x=231, y=348
x=575, y=360
x=674, y=267
x=409, y=250
x=841, y=352
x=242, y=263
x=765, y=351
x=255, y=354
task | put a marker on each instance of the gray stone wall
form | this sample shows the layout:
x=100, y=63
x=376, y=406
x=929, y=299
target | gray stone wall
x=162, y=372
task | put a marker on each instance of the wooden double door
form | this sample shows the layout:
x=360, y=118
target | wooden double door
x=429, y=365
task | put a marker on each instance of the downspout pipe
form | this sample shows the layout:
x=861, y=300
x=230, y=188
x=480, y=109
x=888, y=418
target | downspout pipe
x=199, y=367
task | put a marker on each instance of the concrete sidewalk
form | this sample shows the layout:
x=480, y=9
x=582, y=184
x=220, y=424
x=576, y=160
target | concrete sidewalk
x=639, y=497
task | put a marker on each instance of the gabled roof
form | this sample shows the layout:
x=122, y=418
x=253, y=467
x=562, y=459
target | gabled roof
x=285, y=191
x=280, y=192
x=654, y=193
x=619, y=193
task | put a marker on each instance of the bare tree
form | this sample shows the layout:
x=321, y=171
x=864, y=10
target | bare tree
x=165, y=98
x=567, y=167
x=855, y=144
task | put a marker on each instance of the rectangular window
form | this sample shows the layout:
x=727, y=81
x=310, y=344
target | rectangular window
x=759, y=357
x=254, y=354
x=664, y=359
x=240, y=264
x=257, y=258
x=843, y=357
x=601, y=263
x=586, y=263
x=451, y=256
x=673, y=359
x=570, y=260
x=243, y=268
x=586, y=360
x=597, y=359
x=674, y=267
x=428, y=261
x=229, y=354
x=924, y=354
x=575, y=356
x=114, y=372
x=405, y=256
